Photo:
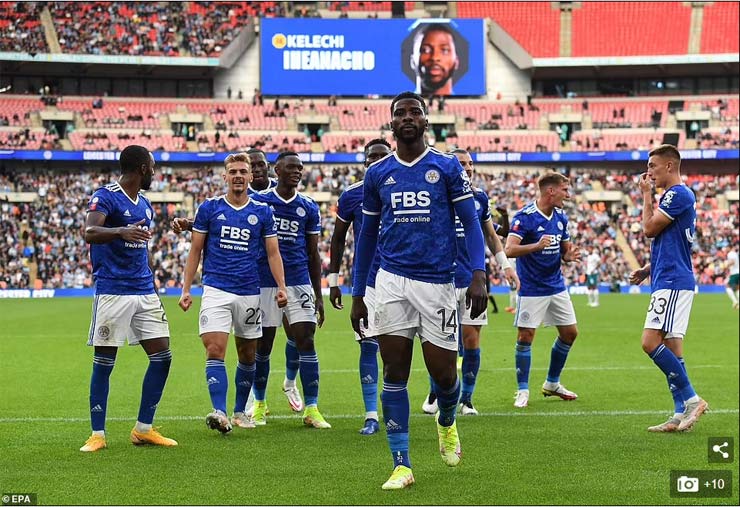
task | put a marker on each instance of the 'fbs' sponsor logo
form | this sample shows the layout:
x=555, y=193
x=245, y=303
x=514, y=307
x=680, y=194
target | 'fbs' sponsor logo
x=410, y=199
x=285, y=225
x=235, y=233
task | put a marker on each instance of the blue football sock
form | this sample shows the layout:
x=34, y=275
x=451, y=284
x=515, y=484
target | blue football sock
x=243, y=380
x=261, y=374
x=558, y=356
x=395, y=400
x=153, y=385
x=666, y=360
x=447, y=403
x=470, y=367
x=99, y=383
x=291, y=360
x=309, y=370
x=432, y=386
x=369, y=374
x=678, y=402
x=217, y=382
x=523, y=361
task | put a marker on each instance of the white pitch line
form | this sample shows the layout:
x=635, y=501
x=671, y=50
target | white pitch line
x=522, y=413
x=650, y=367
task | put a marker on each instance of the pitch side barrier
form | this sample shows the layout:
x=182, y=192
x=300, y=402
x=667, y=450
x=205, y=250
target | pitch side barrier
x=197, y=291
x=508, y=157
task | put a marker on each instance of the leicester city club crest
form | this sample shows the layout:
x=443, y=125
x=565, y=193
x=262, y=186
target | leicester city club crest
x=252, y=219
x=300, y=212
x=432, y=176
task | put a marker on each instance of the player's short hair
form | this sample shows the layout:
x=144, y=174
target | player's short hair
x=284, y=154
x=409, y=95
x=550, y=179
x=237, y=157
x=460, y=150
x=133, y=157
x=252, y=151
x=666, y=150
x=377, y=141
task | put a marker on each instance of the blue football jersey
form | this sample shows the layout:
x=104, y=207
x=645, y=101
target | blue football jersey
x=349, y=209
x=121, y=267
x=463, y=268
x=295, y=218
x=539, y=272
x=670, y=254
x=272, y=184
x=414, y=201
x=234, y=243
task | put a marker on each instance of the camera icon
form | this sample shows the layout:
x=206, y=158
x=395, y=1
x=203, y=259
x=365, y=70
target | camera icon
x=686, y=484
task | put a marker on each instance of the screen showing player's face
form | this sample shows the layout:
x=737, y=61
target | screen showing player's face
x=146, y=180
x=289, y=171
x=260, y=179
x=237, y=176
x=409, y=120
x=375, y=153
x=658, y=169
x=437, y=61
x=466, y=161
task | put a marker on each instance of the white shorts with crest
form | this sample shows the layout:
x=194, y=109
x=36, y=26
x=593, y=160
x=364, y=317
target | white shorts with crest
x=116, y=319
x=222, y=311
x=555, y=310
x=300, y=307
x=406, y=307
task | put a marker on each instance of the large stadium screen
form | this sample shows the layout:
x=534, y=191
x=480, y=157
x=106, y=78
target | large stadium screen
x=359, y=57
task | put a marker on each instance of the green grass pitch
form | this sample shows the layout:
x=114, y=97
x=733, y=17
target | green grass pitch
x=592, y=451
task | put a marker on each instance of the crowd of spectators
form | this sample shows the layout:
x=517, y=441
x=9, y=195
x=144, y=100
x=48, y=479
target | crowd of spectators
x=199, y=29
x=47, y=233
x=20, y=28
x=27, y=139
x=118, y=28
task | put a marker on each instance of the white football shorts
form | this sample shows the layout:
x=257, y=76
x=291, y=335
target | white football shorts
x=405, y=307
x=370, y=304
x=222, y=311
x=135, y=318
x=669, y=311
x=300, y=307
x=464, y=313
x=555, y=310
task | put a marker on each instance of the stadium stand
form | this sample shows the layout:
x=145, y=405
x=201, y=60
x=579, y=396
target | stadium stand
x=40, y=233
x=720, y=18
x=615, y=123
x=20, y=28
x=629, y=28
x=536, y=35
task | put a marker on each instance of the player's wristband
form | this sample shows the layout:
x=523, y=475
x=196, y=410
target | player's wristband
x=502, y=261
x=333, y=279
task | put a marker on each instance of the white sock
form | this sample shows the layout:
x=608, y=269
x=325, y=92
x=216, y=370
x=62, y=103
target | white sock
x=371, y=415
x=596, y=296
x=732, y=295
x=143, y=428
x=288, y=384
x=99, y=433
